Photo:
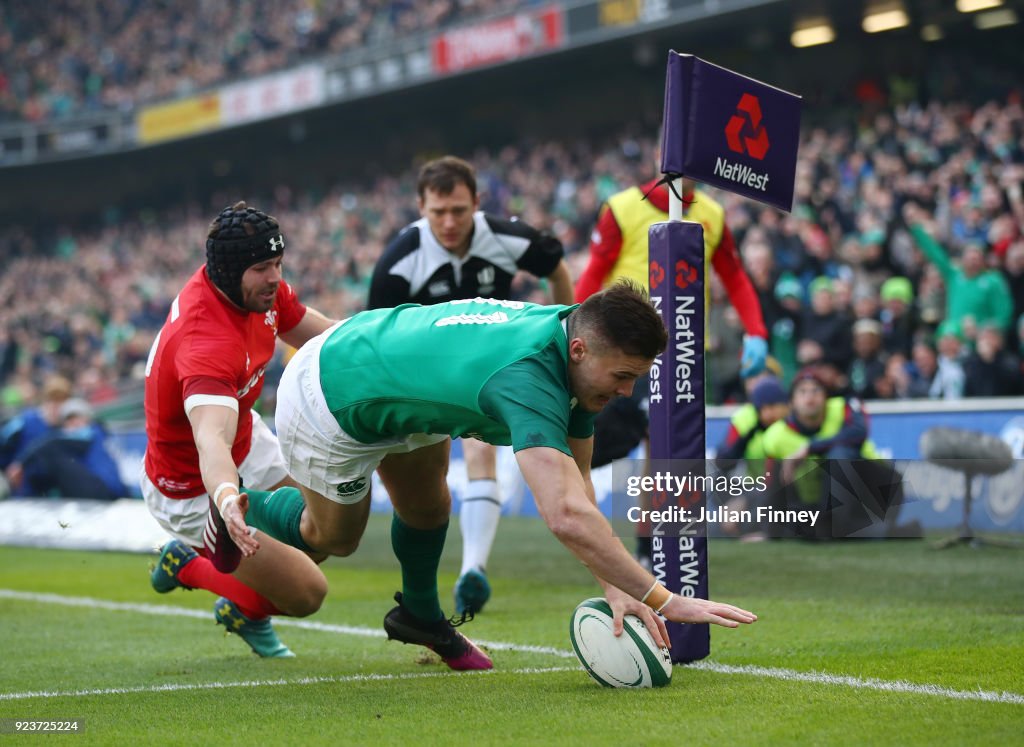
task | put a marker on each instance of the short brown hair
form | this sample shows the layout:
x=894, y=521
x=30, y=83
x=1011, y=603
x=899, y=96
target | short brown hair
x=622, y=317
x=443, y=175
x=56, y=388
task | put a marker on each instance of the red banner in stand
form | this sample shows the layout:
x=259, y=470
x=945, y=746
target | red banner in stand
x=500, y=40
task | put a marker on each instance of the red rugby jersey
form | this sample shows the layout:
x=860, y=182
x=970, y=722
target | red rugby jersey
x=208, y=351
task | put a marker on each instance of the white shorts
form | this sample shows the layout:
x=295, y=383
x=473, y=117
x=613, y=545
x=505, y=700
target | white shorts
x=317, y=452
x=185, y=518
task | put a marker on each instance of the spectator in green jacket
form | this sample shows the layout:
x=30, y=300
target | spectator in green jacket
x=975, y=296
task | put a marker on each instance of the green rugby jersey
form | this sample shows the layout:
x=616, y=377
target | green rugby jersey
x=490, y=369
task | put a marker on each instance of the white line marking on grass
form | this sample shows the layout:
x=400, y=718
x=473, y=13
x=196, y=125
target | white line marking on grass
x=823, y=678
x=866, y=683
x=176, y=686
x=172, y=611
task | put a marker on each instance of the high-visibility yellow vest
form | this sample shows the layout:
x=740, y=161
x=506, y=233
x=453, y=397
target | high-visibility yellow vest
x=745, y=420
x=781, y=441
x=635, y=215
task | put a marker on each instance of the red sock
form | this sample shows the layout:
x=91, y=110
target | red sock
x=200, y=574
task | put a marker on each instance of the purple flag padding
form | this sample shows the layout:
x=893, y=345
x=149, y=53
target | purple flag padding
x=677, y=417
x=730, y=131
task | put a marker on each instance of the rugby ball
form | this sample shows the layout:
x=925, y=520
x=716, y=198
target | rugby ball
x=631, y=660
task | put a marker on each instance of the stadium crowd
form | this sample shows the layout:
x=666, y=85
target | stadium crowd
x=58, y=59
x=901, y=267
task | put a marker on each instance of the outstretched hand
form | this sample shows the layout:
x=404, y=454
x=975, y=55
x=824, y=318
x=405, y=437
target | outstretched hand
x=622, y=604
x=693, y=610
x=233, y=513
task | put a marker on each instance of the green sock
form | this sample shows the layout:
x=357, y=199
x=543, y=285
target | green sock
x=278, y=514
x=419, y=553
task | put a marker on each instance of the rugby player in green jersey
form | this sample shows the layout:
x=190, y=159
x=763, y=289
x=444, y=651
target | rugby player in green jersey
x=388, y=389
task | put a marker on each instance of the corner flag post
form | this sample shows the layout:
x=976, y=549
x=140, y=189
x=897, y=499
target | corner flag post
x=677, y=417
x=741, y=135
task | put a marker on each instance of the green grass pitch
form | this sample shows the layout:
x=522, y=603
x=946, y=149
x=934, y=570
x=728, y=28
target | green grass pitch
x=858, y=643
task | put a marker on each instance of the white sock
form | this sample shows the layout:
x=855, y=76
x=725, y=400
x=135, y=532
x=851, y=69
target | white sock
x=478, y=520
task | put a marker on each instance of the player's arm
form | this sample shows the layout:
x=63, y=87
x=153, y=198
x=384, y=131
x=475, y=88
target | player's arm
x=311, y=324
x=621, y=603
x=213, y=429
x=583, y=453
x=914, y=216
x=523, y=396
x=605, y=248
x=558, y=488
x=544, y=435
x=560, y=281
x=297, y=323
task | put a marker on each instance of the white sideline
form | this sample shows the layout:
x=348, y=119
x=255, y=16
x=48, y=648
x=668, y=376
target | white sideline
x=823, y=678
x=865, y=683
x=172, y=611
x=177, y=686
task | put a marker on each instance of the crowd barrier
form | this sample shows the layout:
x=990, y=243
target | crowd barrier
x=935, y=493
x=896, y=428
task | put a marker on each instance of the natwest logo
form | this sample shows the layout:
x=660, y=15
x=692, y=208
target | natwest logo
x=752, y=140
x=685, y=274
x=657, y=275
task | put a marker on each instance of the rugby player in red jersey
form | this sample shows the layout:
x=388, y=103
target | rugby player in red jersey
x=206, y=445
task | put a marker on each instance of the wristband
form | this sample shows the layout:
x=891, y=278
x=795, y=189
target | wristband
x=658, y=597
x=220, y=489
x=643, y=599
x=665, y=603
x=227, y=502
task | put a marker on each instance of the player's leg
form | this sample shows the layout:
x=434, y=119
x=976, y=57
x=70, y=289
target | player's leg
x=278, y=512
x=276, y=504
x=285, y=576
x=183, y=564
x=278, y=580
x=479, y=514
x=331, y=527
x=327, y=513
x=417, y=484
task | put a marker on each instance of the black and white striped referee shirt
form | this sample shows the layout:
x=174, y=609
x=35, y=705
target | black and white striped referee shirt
x=416, y=268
